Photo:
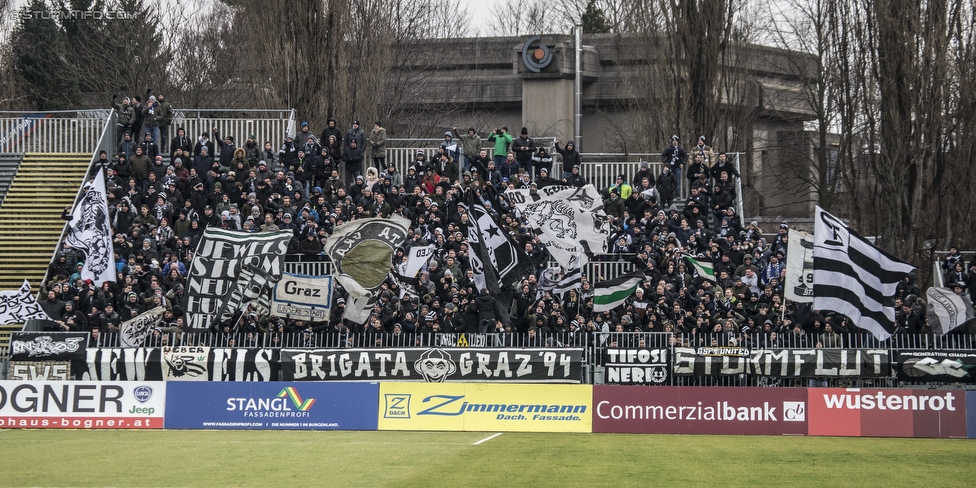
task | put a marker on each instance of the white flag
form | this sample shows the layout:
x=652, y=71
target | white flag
x=946, y=310
x=417, y=258
x=17, y=307
x=133, y=332
x=570, y=221
x=799, y=267
x=91, y=232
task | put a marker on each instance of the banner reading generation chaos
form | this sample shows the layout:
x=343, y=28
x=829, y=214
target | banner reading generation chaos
x=785, y=363
x=942, y=366
x=435, y=365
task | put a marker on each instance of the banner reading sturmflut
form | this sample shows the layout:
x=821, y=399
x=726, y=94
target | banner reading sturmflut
x=219, y=261
x=302, y=297
x=569, y=221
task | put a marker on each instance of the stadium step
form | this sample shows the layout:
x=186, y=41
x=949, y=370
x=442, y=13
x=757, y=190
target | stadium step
x=30, y=218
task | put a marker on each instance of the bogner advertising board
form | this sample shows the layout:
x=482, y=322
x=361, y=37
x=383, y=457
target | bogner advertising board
x=694, y=410
x=485, y=407
x=272, y=406
x=82, y=404
x=869, y=412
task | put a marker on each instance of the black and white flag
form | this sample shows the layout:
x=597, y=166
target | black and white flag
x=854, y=278
x=495, y=259
x=362, y=251
x=91, y=232
x=553, y=280
x=946, y=310
x=17, y=307
x=223, y=258
x=133, y=332
x=570, y=221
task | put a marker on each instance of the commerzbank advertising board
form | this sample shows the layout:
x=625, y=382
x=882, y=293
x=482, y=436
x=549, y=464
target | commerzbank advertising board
x=485, y=407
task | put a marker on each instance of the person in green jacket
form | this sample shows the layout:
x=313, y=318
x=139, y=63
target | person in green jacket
x=502, y=140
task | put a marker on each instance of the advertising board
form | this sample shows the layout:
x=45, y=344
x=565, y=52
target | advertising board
x=696, y=410
x=272, y=406
x=82, y=405
x=485, y=407
x=870, y=412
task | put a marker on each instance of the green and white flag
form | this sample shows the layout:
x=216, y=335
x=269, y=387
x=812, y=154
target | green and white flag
x=609, y=294
x=704, y=269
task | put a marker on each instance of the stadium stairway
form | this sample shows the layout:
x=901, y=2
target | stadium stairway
x=30, y=219
x=9, y=163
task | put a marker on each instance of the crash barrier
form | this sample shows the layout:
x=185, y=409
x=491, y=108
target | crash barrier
x=487, y=407
x=611, y=358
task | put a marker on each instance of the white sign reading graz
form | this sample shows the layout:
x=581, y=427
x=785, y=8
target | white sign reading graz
x=302, y=297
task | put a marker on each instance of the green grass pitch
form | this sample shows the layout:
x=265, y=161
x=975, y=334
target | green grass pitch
x=427, y=459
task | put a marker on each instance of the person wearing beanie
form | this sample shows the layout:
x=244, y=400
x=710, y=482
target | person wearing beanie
x=470, y=146
x=502, y=140
x=524, y=147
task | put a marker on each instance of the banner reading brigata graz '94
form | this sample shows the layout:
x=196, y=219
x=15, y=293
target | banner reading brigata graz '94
x=230, y=267
x=435, y=365
x=783, y=363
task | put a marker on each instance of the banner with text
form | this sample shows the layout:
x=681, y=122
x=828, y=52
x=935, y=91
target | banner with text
x=82, y=405
x=485, y=407
x=230, y=270
x=48, y=346
x=870, y=412
x=636, y=366
x=783, y=363
x=182, y=363
x=304, y=406
x=301, y=297
x=939, y=366
x=697, y=410
x=435, y=365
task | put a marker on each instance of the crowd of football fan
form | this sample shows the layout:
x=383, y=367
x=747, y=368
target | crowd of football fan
x=160, y=207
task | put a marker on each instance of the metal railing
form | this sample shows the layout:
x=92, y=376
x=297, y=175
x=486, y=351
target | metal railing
x=266, y=125
x=74, y=131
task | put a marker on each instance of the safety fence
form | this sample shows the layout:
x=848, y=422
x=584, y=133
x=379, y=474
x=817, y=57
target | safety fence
x=265, y=125
x=75, y=131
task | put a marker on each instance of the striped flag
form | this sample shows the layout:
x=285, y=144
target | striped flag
x=703, y=269
x=854, y=278
x=572, y=280
x=609, y=294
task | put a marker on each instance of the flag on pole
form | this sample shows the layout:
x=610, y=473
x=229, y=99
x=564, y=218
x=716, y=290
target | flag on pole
x=704, y=269
x=362, y=251
x=799, y=268
x=496, y=261
x=854, y=278
x=91, y=233
x=133, y=332
x=17, y=307
x=609, y=294
x=550, y=280
x=946, y=310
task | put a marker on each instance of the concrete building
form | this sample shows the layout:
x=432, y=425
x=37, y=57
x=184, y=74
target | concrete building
x=488, y=82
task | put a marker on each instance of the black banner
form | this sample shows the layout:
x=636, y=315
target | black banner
x=787, y=363
x=528, y=365
x=48, y=346
x=941, y=366
x=636, y=366
x=178, y=363
x=225, y=262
